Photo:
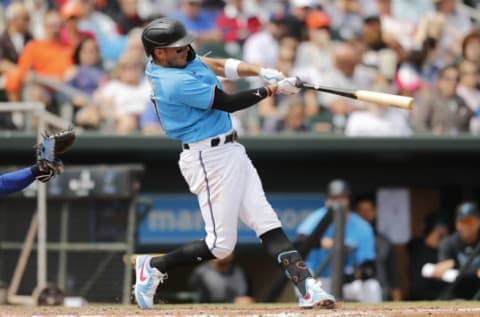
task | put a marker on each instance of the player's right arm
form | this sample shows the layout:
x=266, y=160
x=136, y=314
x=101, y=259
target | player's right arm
x=234, y=69
x=217, y=65
x=197, y=94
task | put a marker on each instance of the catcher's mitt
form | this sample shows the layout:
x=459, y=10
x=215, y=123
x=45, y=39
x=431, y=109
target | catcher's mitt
x=54, y=144
x=48, y=150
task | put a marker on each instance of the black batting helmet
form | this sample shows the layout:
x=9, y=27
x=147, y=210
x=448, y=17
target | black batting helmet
x=165, y=32
x=338, y=187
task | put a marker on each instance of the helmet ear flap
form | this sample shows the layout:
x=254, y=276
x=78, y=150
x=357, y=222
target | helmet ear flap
x=191, y=53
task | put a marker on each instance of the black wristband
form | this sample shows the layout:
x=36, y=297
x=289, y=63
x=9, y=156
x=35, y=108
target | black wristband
x=36, y=170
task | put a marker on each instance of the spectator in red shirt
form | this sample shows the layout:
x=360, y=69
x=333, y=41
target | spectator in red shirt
x=236, y=25
x=70, y=35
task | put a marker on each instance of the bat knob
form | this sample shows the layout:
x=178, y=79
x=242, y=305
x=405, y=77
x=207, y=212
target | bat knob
x=298, y=82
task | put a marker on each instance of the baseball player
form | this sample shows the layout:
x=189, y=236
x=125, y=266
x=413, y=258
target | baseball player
x=193, y=108
x=360, y=282
x=17, y=180
x=48, y=164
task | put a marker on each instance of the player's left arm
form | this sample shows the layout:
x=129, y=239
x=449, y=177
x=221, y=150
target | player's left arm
x=15, y=181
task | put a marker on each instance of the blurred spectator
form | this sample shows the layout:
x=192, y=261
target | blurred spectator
x=411, y=10
x=396, y=28
x=87, y=72
x=268, y=39
x=221, y=281
x=425, y=250
x=348, y=74
x=106, y=32
x=86, y=75
x=2, y=17
x=360, y=283
x=236, y=24
x=70, y=34
x=471, y=47
x=457, y=248
x=291, y=119
x=198, y=21
x=381, y=51
x=378, y=121
x=150, y=9
x=318, y=50
x=443, y=111
x=468, y=87
x=37, y=56
x=13, y=39
x=296, y=21
x=371, y=35
x=346, y=17
x=134, y=43
x=407, y=80
x=37, y=9
x=124, y=98
x=127, y=16
x=422, y=61
x=386, y=259
x=448, y=27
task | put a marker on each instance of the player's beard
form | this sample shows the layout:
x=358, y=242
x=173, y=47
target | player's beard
x=179, y=61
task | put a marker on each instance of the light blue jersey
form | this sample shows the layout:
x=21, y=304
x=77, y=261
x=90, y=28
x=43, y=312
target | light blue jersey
x=359, y=238
x=184, y=97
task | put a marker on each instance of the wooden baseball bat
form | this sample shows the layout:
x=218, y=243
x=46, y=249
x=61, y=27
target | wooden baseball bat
x=378, y=98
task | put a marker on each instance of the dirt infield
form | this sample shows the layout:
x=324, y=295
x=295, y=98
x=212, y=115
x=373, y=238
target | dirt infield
x=444, y=309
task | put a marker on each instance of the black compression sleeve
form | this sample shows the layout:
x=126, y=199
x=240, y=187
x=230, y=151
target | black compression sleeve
x=241, y=100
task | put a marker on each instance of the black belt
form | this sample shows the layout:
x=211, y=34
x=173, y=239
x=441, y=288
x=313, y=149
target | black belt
x=216, y=141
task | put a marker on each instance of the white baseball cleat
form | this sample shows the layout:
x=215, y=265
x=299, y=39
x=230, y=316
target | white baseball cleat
x=147, y=280
x=316, y=296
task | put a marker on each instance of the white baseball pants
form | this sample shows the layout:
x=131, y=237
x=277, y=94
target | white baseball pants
x=228, y=188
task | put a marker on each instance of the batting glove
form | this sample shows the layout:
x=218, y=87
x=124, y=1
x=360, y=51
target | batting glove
x=288, y=86
x=271, y=75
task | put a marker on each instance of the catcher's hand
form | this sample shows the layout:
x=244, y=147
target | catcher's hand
x=53, y=144
x=45, y=170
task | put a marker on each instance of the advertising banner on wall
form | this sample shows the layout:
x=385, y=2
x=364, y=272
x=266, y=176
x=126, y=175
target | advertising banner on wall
x=176, y=218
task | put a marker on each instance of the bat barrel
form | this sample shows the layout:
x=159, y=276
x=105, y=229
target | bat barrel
x=378, y=98
x=384, y=99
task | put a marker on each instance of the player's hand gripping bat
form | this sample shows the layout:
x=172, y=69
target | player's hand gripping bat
x=378, y=98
